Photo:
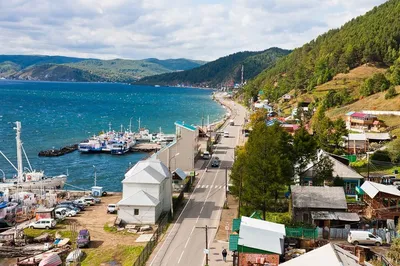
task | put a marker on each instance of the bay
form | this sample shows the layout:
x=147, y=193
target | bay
x=55, y=114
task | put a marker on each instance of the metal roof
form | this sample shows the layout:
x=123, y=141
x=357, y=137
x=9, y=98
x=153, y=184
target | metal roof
x=339, y=169
x=150, y=171
x=262, y=235
x=179, y=172
x=340, y=216
x=368, y=136
x=182, y=124
x=236, y=224
x=328, y=255
x=372, y=189
x=318, y=197
x=140, y=198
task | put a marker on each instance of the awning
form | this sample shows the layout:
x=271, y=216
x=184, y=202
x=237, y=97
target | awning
x=340, y=216
x=359, y=190
x=179, y=174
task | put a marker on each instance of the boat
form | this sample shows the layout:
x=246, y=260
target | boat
x=92, y=145
x=7, y=214
x=119, y=148
x=28, y=178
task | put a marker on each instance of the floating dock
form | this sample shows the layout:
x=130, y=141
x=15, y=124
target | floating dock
x=59, y=152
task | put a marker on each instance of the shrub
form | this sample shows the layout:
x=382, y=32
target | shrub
x=391, y=93
x=381, y=156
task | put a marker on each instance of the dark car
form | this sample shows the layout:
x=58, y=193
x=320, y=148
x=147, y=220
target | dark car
x=83, y=240
x=72, y=205
x=215, y=163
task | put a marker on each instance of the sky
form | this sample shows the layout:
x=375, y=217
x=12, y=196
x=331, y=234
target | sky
x=195, y=29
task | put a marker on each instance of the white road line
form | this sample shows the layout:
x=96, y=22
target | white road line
x=220, y=187
x=203, y=186
x=206, y=186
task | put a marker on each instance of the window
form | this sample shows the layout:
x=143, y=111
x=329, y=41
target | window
x=371, y=236
x=136, y=211
x=305, y=217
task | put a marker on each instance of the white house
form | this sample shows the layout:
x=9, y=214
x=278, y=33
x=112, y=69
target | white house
x=287, y=97
x=263, y=105
x=146, y=192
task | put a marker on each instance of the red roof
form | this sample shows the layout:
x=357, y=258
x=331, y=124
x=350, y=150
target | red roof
x=359, y=115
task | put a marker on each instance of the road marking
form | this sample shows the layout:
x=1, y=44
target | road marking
x=220, y=187
x=202, y=186
x=206, y=186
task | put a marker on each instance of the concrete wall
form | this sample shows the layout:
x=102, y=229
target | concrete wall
x=187, y=147
x=147, y=214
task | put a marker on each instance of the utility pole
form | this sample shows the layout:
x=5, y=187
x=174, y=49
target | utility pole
x=206, y=230
x=226, y=185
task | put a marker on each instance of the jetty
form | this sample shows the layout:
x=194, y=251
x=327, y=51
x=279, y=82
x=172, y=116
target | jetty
x=58, y=152
x=146, y=147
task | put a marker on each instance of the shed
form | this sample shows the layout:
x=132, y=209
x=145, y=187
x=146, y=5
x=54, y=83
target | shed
x=178, y=179
x=97, y=191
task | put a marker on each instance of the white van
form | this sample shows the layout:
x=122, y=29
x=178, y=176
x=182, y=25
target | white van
x=45, y=223
x=363, y=237
x=226, y=134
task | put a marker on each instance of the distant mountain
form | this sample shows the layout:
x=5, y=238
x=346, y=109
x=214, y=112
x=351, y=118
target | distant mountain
x=221, y=71
x=371, y=38
x=60, y=68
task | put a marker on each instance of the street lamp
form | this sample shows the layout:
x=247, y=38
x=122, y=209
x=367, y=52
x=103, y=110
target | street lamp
x=169, y=169
x=95, y=177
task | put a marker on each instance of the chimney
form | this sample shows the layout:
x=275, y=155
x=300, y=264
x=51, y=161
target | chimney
x=361, y=255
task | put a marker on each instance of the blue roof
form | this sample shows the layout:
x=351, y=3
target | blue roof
x=349, y=113
x=273, y=122
x=181, y=124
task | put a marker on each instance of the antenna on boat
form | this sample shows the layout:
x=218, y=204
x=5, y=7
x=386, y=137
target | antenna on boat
x=121, y=128
x=109, y=127
x=19, y=150
x=139, y=124
x=26, y=157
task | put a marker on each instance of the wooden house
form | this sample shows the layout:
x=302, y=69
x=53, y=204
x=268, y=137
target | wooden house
x=383, y=201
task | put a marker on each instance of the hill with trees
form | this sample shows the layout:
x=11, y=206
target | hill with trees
x=224, y=70
x=371, y=38
x=61, y=68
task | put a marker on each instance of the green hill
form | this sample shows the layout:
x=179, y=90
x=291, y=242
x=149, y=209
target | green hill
x=371, y=38
x=60, y=68
x=223, y=70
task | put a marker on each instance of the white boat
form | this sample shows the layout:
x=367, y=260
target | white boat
x=28, y=178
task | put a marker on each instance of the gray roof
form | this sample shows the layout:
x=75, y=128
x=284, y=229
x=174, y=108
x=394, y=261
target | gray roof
x=340, y=216
x=150, y=171
x=140, y=198
x=179, y=172
x=339, y=169
x=328, y=255
x=318, y=197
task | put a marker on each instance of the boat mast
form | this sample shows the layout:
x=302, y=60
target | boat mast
x=139, y=124
x=19, y=150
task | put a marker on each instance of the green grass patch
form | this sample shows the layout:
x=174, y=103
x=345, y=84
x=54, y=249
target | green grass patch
x=351, y=199
x=110, y=229
x=362, y=168
x=31, y=232
x=122, y=254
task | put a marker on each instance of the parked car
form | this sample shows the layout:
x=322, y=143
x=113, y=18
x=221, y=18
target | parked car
x=66, y=211
x=82, y=202
x=226, y=134
x=96, y=199
x=60, y=214
x=45, y=223
x=112, y=208
x=83, y=238
x=231, y=122
x=69, y=207
x=74, y=204
x=206, y=155
x=363, y=237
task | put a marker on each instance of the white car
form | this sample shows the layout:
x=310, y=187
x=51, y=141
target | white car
x=45, y=223
x=112, y=208
x=82, y=202
x=363, y=237
x=67, y=212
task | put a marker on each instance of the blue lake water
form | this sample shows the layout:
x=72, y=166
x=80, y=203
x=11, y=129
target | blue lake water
x=55, y=114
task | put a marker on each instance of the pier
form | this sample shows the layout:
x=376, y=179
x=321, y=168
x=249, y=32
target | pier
x=58, y=152
x=146, y=147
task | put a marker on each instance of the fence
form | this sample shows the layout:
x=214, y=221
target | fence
x=177, y=201
x=300, y=232
x=148, y=249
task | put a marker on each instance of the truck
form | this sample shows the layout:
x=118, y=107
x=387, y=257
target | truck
x=231, y=122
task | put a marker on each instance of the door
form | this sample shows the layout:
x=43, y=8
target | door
x=371, y=239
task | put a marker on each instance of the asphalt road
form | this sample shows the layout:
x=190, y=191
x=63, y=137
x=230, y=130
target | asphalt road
x=184, y=243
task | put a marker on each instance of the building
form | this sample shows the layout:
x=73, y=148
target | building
x=329, y=255
x=146, y=193
x=383, y=201
x=359, y=143
x=263, y=105
x=341, y=169
x=360, y=121
x=321, y=206
x=258, y=241
x=178, y=179
x=183, y=151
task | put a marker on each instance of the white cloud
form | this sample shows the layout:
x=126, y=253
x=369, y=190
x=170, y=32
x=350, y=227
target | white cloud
x=199, y=29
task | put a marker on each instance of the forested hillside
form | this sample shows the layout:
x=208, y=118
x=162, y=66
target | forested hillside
x=60, y=68
x=223, y=70
x=372, y=38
